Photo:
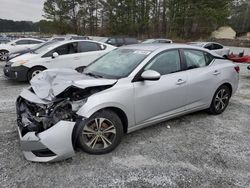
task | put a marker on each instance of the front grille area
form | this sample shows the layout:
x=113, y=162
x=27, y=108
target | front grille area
x=26, y=117
x=44, y=153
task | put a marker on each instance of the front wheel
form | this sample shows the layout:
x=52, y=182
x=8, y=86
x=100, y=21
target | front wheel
x=3, y=55
x=220, y=100
x=101, y=133
x=34, y=71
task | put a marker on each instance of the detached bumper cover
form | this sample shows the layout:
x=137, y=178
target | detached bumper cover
x=52, y=145
x=16, y=73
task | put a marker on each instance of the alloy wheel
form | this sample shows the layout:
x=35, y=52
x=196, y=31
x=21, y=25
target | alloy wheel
x=99, y=133
x=36, y=72
x=3, y=56
x=221, y=99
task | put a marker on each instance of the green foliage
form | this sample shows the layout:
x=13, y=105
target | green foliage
x=143, y=18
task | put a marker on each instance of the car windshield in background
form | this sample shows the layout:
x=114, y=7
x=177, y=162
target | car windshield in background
x=45, y=47
x=196, y=44
x=117, y=64
x=148, y=41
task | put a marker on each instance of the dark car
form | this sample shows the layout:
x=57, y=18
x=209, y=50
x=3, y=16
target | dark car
x=119, y=41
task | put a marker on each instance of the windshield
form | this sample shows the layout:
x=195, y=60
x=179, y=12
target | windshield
x=45, y=47
x=117, y=64
x=196, y=44
x=148, y=41
x=103, y=40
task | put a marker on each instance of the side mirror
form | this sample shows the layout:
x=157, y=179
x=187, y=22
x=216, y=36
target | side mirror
x=80, y=69
x=55, y=55
x=248, y=67
x=13, y=44
x=150, y=75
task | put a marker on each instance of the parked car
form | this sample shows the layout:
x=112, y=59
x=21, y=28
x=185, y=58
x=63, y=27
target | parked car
x=213, y=46
x=29, y=50
x=4, y=40
x=125, y=90
x=17, y=45
x=119, y=41
x=63, y=54
x=152, y=41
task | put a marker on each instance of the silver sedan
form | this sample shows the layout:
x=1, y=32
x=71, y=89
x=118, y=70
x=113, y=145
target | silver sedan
x=125, y=90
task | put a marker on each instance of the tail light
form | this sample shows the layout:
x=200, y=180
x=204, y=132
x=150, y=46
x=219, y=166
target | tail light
x=237, y=69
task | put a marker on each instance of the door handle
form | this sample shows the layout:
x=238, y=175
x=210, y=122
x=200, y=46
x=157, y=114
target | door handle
x=180, y=82
x=76, y=58
x=216, y=72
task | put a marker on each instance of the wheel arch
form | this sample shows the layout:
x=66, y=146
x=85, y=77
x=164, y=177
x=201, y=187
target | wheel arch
x=36, y=66
x=121, y=114
x=229, y=86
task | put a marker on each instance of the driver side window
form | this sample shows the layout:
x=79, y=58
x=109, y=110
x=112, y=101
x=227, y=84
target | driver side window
x=166, y=63
x=65, y=49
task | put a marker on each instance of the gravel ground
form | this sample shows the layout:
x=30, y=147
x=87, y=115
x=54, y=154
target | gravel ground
x=199, y=150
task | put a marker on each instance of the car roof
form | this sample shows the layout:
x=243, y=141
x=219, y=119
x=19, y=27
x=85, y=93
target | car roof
x=160, y=46
x=29, y=39
x=204, y=43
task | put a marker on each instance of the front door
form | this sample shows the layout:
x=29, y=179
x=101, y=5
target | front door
x=157, y=99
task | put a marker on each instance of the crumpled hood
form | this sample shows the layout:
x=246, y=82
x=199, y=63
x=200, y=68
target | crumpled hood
x=51, y=83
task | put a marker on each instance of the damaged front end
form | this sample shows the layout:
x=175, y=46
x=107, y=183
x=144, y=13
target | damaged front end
x=48, y=128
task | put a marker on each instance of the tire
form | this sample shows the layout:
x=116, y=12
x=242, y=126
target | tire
x=3, y=55
x=34, y=71
x=220, y=100
x=92, y=141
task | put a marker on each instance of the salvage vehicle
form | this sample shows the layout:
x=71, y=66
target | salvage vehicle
x=152, y=41
x=125, y=90
x=17, y=45
x=62, y=54
x=213, y=46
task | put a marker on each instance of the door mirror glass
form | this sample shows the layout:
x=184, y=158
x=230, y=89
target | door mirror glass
x=151, y=75
x=55, y=55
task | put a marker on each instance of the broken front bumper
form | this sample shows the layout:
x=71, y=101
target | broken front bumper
x=53, y=144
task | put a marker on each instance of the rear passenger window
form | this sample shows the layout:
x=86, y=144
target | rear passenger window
x=217, y=46
x=22, y=42
x=131, y=41
x=197, y=59
x=166, y=63
x=34, y=42
x=88, y=47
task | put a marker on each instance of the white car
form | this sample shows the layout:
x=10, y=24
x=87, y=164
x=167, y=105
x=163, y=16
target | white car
x=17, y=45
x=213, y=46
x=153, y=41
x=63, y=54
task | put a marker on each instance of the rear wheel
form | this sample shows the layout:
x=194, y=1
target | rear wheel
x=3, y=55
x=34, y=71
x=101, y=133
x=220, y=100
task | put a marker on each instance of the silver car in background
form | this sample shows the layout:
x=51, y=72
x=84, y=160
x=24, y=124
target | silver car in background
x=214, y=47
x=125, y=90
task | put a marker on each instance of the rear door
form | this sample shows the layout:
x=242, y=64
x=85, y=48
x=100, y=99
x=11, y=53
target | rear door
x=87, y=53
x=155, y=100
x=202, y=77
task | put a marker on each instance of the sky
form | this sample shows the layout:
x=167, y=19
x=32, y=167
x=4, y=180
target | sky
x=19, y=10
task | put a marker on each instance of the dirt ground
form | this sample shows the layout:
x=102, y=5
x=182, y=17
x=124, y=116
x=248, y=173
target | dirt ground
x=199, y=150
